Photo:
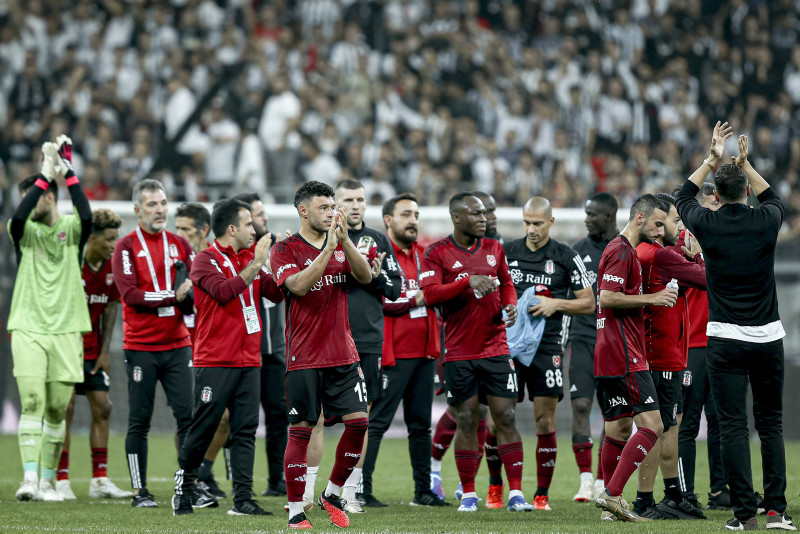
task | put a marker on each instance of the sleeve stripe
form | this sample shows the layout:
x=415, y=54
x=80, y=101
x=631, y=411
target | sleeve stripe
x=582, y=270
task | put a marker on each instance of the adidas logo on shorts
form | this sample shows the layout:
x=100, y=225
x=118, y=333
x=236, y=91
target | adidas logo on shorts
x=292, y=412
x=573, y=389
x=649, y=400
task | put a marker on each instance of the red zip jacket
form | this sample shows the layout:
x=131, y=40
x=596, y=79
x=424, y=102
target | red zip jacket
x=666, y=330
x=697, y=300
x=222, y=338
x=404, y=337
x=143, y=329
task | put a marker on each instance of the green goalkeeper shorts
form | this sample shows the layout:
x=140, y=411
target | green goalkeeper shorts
x=52, y=357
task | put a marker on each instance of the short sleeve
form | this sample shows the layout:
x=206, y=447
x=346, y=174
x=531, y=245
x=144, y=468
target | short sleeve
x=614, y=276
x=282, y=263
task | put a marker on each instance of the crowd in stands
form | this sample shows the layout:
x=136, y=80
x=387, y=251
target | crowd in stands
x=559, y=98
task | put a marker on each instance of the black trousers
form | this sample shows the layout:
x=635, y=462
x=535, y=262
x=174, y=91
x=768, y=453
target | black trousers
x=412, y=382
x=144, y=371
x=731, y=364
x=696, y=398
x=273, y=401
x=217, y=388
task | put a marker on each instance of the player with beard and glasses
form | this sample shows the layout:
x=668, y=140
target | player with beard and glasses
x=461, y=274
x=553, y=270
x=697, y=398
x=48, y=315
x=365, y=304
x=155, y=340
x=273, y=365
x=323, y=371
x=228, y=278
x=103, y=300
x=601, y=223
x=625, y=384
x=411, y=346
x=666, y=350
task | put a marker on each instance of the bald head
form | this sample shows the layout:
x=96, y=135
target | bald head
x=539, y=204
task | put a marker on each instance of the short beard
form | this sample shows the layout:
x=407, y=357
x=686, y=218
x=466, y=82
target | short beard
x=644, y=238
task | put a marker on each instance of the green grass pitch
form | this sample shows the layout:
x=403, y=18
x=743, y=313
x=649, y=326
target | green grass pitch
x=393, y=485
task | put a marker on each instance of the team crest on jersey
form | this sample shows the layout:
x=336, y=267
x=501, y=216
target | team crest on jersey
x=137, y=374
x=173, y=251
x=511, y=363
x=360, y=373
x=109, y=279
x=549, y=267
x=490, y=259
x=339, y=255
x=205, y=395
x=556, y=361
x=62, y=236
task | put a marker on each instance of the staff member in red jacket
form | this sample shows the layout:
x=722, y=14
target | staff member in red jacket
x=154, y=337
x=411, y=344
x=228, y=278
x=666, y=331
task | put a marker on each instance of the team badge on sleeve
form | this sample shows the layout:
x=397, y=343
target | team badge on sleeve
x=205, y=395
x=556, y=361
x=339, y=255
x=549, y=267
x=109, y=279
x=490, y=259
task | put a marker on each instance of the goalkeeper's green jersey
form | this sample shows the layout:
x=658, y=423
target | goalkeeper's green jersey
x=48, y=292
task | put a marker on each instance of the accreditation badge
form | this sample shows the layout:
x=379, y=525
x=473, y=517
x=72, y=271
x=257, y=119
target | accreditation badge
x=251, y=319
x=166, y=311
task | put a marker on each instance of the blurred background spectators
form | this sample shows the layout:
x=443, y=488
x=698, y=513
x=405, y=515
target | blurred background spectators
x=559, y=98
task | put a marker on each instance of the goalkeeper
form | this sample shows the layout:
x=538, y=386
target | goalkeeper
x=48, y=314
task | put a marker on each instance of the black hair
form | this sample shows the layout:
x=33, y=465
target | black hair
x=25, y=185
x=196, y=212
x=249, y=198
x=458, y=198
x=731, y=183
x=707, y=189
x=666, y=198
x=388, y=206
x=646, y=205
x=312, y=189
x=226, y=213
x=606, y=200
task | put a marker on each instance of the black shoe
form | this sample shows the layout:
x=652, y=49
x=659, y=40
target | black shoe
x=648, y=509
x=737, y=524
x=722, y=501
x=300, y=521
x=428, y=498
x=680, y=510
x=182, y=505
x=275, y=490
x=210, y=487
x=144, y=499
x=691, y=498
x=248, y=507
x=202, y=499
x=369, y=500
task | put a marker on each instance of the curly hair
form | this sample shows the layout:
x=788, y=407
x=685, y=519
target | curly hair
x=312, y=189
x=103, y=219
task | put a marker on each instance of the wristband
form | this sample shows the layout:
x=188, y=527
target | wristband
x=41, y=184
x=71, y=180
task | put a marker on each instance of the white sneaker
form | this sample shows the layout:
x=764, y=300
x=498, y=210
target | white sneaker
x=64, y=488
x=599, y=487
x=585, y=493
x=353, y=507
x=103, y=488
x=47, y=492
x=27, y=490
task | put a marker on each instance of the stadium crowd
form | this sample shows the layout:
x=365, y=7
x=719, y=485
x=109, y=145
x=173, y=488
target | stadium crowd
x=558, y=98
